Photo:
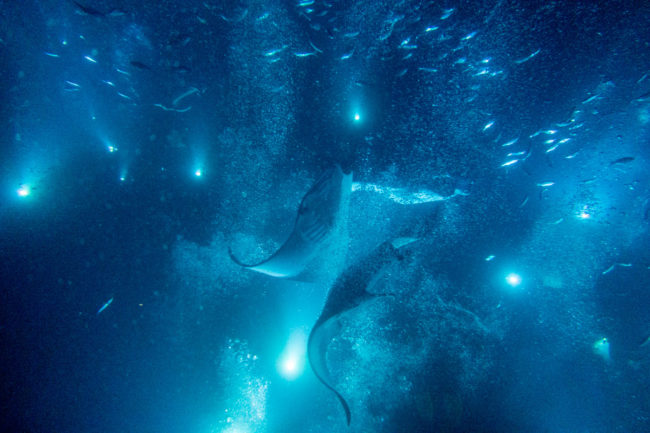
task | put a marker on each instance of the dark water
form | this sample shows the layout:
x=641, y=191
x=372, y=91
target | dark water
x=139, y=142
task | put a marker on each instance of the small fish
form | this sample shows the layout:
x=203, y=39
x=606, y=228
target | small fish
x=468, y=37
x=184, y=95
x=546, y=184
x=347, y=55
x=275, y=51
x=85, y=10
x=489, y=258
x=178, y=110
x=510, y=143
x=552, y=148
x=646, y=342
x=643, y=98
x=105, y=306
x=315, y=47
x=313, y=53
x=447, y=13
x=525, y=59
x=90, y=59
x=140, y=65
x=573, y=155
x=591, y=99
x=51, y=54
x=116, y=12
x=623, y=160
x=488, y=126
x=181, y=69
x=608, y=270
x=523, y=203
x=511, y=162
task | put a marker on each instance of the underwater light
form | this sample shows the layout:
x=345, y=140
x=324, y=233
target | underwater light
x=513, y=279
x=357, y=117
x=289, y=366
x=198, y=173
x=601, y=348
x=291, y=362
x=23, y=191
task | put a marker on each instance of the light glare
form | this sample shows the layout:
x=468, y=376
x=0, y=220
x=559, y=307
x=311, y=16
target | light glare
x=23, y=191
x=513, y=279
x=291, y=362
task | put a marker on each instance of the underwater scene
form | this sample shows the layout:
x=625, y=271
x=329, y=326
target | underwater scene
x=323, y=216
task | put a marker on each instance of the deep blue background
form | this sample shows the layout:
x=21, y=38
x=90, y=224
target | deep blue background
x=164, y=356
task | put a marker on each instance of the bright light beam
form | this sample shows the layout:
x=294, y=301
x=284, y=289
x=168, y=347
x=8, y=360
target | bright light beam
x=513, y=279
x=291, y=362
x=23, y=191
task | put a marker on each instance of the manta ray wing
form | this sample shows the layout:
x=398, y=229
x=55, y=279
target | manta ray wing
x=319, y=339
x=348, y=292
x=317, y=217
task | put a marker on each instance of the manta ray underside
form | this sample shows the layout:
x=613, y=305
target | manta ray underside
x=318, y=216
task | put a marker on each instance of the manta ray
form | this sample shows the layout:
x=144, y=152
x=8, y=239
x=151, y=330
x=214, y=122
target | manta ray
x=349, y=291
x=318, y=215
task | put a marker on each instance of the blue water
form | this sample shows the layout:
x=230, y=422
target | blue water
x=140, y=141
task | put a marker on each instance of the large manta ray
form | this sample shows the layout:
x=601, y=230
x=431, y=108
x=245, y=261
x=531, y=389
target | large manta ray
x=318, y=215
x=348, y=292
